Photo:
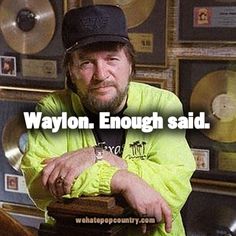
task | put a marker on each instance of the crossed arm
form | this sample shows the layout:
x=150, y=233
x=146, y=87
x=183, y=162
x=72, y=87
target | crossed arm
x=139, y=195
x=158, y=186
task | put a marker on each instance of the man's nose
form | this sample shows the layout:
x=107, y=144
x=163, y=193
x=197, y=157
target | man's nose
x=101, y=72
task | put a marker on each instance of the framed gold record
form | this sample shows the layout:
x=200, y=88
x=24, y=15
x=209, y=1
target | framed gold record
x=206, y=84
x=207, y=21
x=31, y=49
x=135, y=11
x=23, y=23
x=219, y=103
x=13, y=141
x=12, y=125
x=147, y=27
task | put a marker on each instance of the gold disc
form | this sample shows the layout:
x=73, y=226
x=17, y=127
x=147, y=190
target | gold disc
x=27, y=25
x=14, y=140
x=215, y=95
x=136, y=11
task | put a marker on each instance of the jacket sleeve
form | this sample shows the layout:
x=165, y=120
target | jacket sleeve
x=43, y=145
x=170, y=163
x=93, y=181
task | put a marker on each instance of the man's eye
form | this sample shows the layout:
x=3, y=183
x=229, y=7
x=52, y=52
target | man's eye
x=113, y=59
x=84, y=64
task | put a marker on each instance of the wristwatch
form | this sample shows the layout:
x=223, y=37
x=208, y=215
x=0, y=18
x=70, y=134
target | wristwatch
x=98, y=153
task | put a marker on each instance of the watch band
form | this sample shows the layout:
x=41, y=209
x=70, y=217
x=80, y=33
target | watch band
x=98, y=150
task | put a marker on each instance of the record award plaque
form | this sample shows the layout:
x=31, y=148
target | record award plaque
x=31, y=51
x=209, y=85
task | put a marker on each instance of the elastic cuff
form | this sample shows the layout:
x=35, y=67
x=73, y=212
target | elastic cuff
x=105, y=176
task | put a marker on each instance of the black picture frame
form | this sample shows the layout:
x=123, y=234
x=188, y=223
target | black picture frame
x=35, y=70
x=206, y=21
x=192, y=71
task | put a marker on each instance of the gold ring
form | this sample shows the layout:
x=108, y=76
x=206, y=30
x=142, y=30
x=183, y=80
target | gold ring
x=60, y=180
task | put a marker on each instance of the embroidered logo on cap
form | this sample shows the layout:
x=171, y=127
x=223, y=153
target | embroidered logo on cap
x=94, y=23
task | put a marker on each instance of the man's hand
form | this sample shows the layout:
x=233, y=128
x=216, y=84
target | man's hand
x=59, y=173
x=142, y=198
x=65, y=168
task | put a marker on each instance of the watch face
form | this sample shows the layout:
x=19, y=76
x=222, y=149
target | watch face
x=98, y=153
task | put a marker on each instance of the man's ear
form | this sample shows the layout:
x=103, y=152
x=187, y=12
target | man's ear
x=69, y=71
x=130, y=70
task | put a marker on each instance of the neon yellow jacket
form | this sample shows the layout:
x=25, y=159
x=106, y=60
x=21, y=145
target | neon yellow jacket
x=167, y=164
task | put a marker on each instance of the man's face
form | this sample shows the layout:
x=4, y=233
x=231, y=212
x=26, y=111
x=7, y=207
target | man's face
x=101, y=79
x=6, y=66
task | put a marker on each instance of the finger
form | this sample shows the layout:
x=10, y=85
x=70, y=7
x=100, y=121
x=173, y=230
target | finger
x=52, y=181
x=144, y=228
x=69, y=179
x=60, y=170
x=46, y=161
x=65, y=188
x=166, y=212
x=52, y=191
x=59, y=187
x=158, y=214
x=152, y=212
x=151, y=228
x=63, y=182
x=46, y=172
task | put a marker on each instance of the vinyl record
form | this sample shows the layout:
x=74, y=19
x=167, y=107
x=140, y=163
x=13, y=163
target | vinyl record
x=136, y=11
x=14, y=140
x=27, y=25
x=215, y=95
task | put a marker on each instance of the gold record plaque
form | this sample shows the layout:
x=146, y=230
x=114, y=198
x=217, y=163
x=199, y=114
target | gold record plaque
x=136, y=11
x=14, y=140
x=27, y=25
x=215, y=94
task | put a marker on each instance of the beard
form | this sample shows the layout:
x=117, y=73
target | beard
x=92, y=103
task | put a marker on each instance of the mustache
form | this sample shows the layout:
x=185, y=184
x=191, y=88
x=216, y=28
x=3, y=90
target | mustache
x=102, y=84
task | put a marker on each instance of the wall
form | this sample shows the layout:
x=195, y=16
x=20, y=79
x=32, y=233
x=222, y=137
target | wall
x=176, y=49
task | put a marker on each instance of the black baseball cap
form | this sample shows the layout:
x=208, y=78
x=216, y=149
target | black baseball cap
x=91, y=24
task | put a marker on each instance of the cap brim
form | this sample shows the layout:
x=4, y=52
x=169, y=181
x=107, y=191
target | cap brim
x=96, y=39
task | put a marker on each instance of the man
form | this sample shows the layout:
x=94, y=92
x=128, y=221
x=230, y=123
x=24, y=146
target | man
x=151, y=171
x=8, y=66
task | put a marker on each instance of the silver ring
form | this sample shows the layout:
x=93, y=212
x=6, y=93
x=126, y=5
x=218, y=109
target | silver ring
x=60, y=180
